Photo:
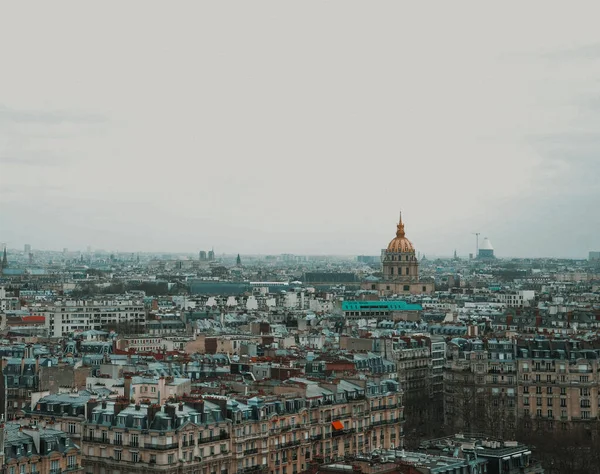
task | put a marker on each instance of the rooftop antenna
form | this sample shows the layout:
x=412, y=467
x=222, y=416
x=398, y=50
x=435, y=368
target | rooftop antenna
x=476, y=234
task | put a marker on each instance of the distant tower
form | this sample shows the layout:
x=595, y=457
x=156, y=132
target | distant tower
x=202, y=256
x=4, y=259
x=476, y=234
x=455, y=256
x=27, y=249
x=30, y=258
x=211, y=255
x=238, y=261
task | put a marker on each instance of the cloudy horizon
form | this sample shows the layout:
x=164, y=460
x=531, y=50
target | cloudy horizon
x=269, y=127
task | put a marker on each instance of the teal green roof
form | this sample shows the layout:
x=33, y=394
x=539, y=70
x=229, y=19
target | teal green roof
x=394, y=305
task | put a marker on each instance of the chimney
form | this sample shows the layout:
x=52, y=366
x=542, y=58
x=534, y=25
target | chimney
x=127, y=387
x=152, y=411
x=538, y=319
x=509, y=320
x=170, y=411
x=104, y=404
x=90, y=405
x=222, y=403
x=180, y=406
x=120, y=404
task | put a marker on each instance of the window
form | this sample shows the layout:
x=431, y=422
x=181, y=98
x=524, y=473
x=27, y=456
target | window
x=71, y=428
x=134, y=440
x=170, y=459
x=135, y=456
x=118, y=454
x=71, y=461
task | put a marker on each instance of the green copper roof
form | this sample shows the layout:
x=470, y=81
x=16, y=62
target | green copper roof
x=394, y=305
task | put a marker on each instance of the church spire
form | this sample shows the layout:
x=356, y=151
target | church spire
x=400, y=228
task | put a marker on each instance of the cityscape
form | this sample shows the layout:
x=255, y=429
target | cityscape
x=299, y=237
x=288, y=364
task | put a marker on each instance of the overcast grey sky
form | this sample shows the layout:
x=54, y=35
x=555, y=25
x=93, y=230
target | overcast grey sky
x=301, y=127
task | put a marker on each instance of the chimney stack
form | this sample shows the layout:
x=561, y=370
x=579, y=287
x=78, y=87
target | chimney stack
x=152, y=411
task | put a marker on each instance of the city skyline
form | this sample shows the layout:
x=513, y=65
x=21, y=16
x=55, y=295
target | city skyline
x=266, y=131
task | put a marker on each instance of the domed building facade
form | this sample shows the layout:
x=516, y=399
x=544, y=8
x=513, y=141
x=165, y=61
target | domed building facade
x=400, y=268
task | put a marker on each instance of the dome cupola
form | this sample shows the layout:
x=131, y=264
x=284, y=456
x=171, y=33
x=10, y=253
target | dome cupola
x=400, y=244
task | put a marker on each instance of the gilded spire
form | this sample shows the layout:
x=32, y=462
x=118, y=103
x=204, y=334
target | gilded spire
x=400, y=228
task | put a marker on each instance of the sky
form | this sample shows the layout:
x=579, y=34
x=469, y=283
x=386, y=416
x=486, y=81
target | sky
x=301, y=127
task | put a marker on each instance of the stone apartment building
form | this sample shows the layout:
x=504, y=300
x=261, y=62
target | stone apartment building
x=500, y=386
x=558, y=382
x=421, y=384
x=64, y=317
x=37, y=450
x=21, y=380
x=480, y=381
x=277, y=433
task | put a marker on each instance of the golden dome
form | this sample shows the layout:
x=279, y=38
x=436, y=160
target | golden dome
x=400, y=244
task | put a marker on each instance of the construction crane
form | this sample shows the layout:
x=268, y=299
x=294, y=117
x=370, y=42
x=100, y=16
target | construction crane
x=476, y=234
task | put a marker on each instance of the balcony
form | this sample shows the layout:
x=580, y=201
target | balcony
x=289, y=444
x=212, y=439
x=343, y=432
x=161, y=447
x=385, y=407
x=254, y=469
x=73, y=468
x=385, y=422
x=316, y=437
x=95, y=439
x=248, y=452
